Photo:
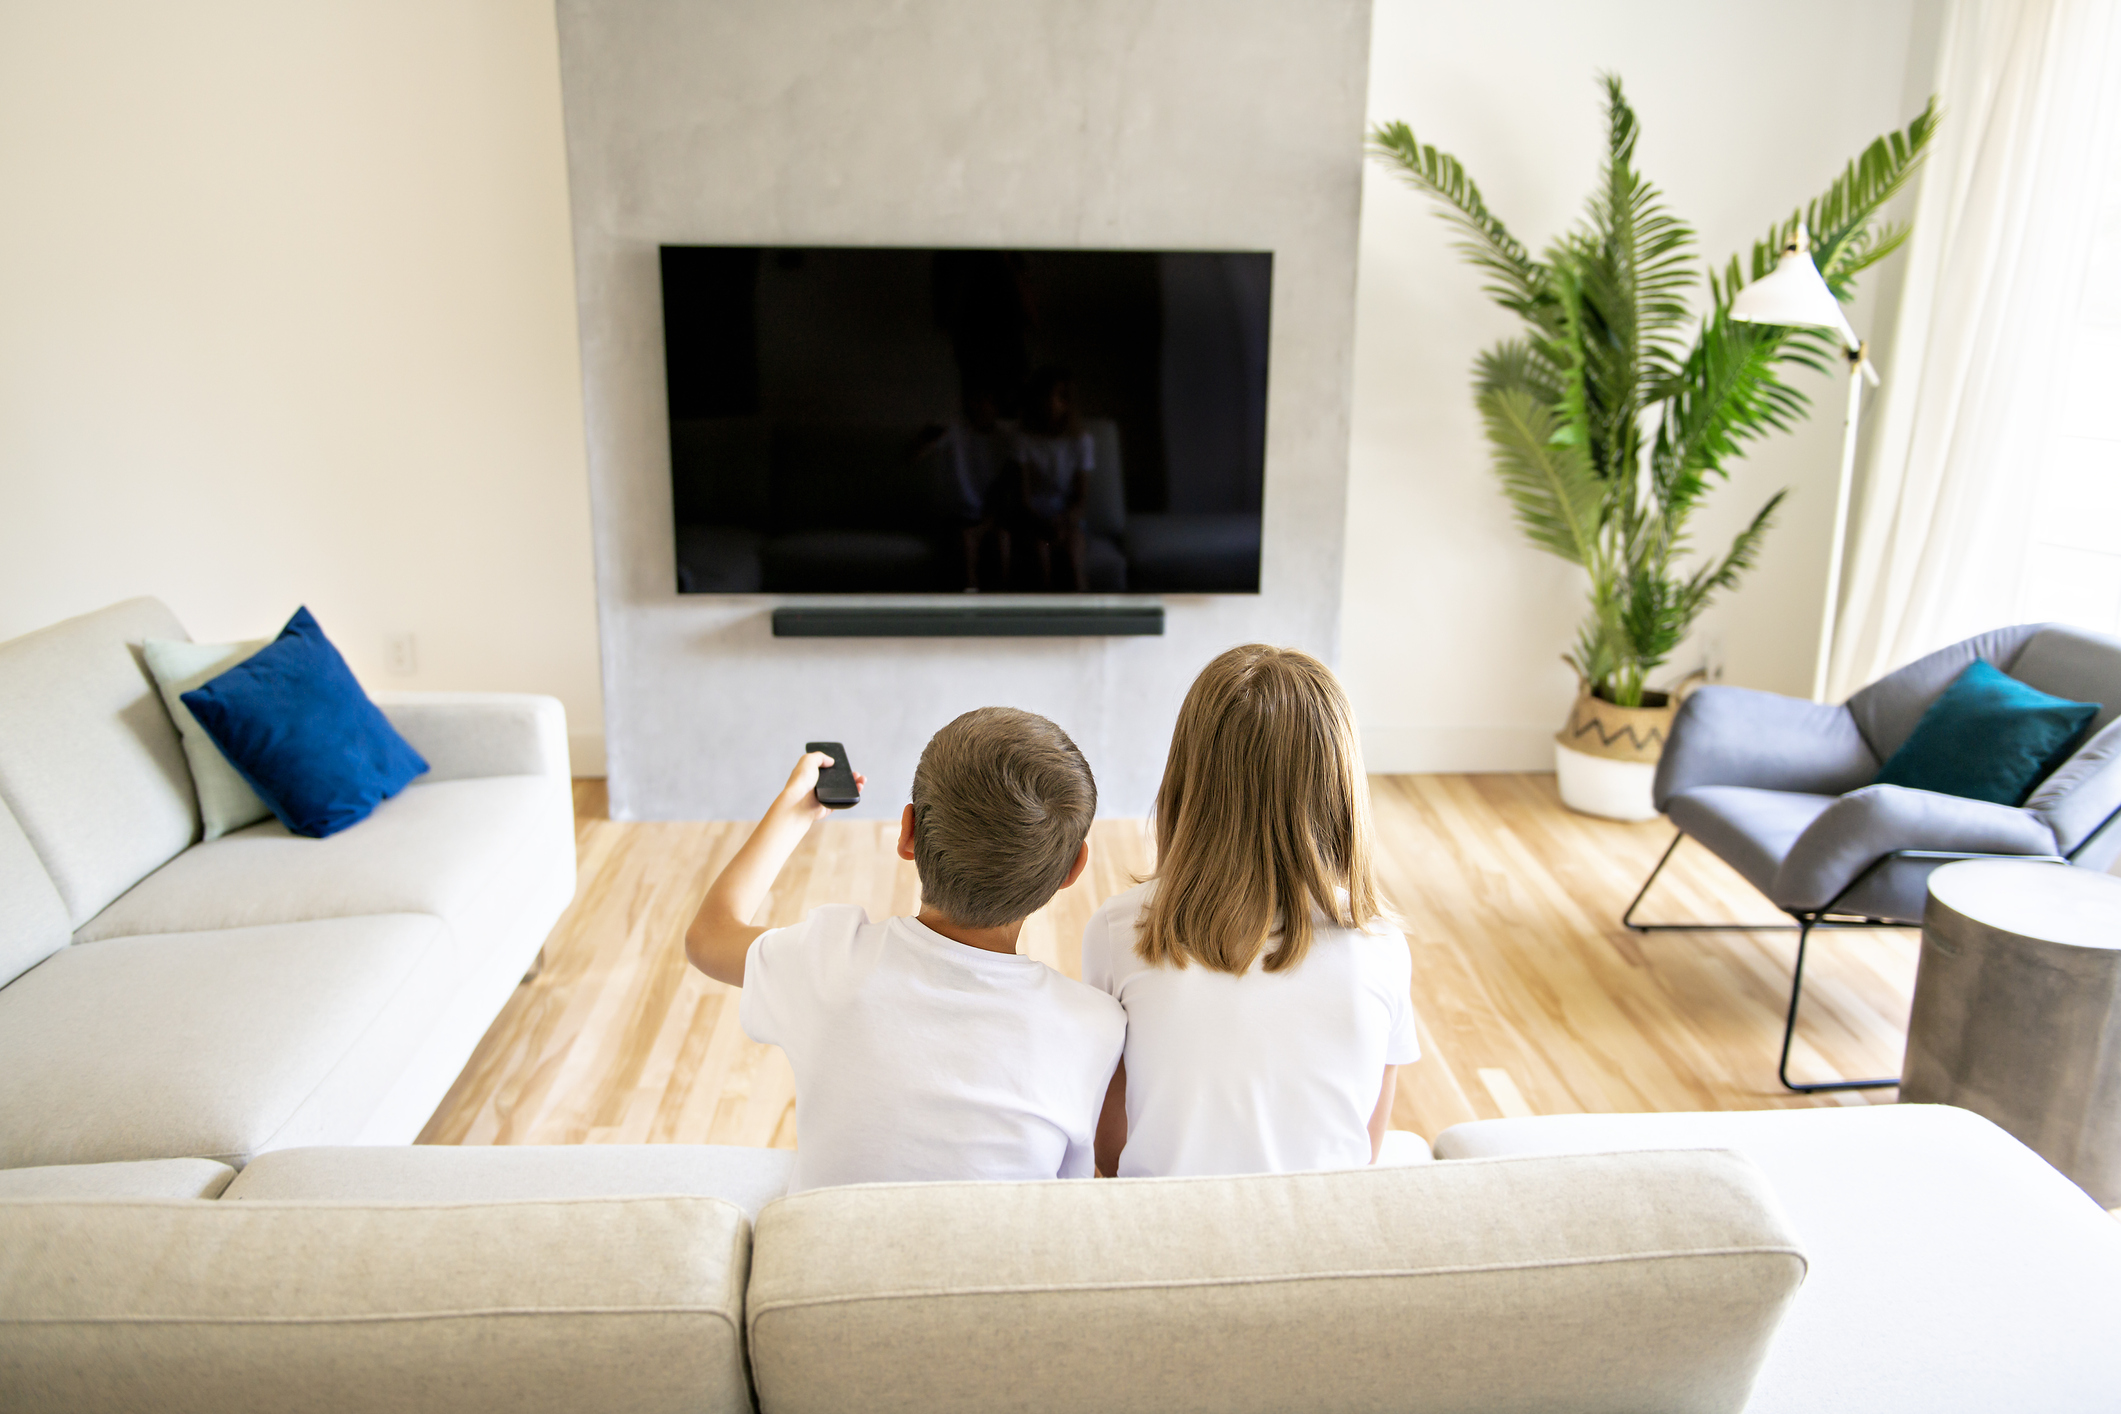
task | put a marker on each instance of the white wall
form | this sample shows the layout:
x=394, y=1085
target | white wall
x=1190, y=124
x=286, y=316
x=1453, y=626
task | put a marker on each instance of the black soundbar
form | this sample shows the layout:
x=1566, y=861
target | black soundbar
x=969, y=621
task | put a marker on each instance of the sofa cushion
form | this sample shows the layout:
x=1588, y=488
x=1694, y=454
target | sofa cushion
x=1602, y=1284
x=214, y=1044
x=33, y=922
x=439, y=849
x=145, y=1178
x=517, y=1308
x=448, y=1173
x=89, y=761
x=1951, y=1267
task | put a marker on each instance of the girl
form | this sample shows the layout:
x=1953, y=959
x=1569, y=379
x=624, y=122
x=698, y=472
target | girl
x=1266, y=993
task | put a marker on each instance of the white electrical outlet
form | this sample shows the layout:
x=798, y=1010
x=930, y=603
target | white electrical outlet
x=404, y=655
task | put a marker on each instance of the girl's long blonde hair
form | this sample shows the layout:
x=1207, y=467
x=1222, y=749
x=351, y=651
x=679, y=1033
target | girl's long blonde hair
x=1263, y=818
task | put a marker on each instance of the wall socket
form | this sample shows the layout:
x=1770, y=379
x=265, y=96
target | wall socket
x=404, y=655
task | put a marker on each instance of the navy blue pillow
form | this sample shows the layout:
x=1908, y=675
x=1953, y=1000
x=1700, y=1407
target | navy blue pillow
x=1989, y=737
x=297, y=726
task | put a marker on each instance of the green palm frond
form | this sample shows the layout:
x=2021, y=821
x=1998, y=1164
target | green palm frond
x=1639, y=260
x=1728, y=393
x=1611, y=418
x=1871, y=245
x=1578, y=411
x=1518, y=363
x=1652, y=624
x=1552, y=488
x=1597, y=656
x=1745, y=549
x=1843, y=219
x=1849, y=207
x=1520, y=281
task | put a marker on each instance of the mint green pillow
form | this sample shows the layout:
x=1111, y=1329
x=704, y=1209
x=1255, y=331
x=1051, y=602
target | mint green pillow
x=226, y=801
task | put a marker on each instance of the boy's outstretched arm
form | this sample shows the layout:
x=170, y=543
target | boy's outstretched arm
x=722, y=932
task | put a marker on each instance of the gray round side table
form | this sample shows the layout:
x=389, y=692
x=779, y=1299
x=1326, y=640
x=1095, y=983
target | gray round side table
x=2017, y=1012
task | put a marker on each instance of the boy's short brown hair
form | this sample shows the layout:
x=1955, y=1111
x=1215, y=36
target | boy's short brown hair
x=1002, y=801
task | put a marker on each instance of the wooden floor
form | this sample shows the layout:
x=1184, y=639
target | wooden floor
x=1533, y=998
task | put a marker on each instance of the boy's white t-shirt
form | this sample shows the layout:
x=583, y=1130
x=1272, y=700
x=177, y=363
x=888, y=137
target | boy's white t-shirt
x=917, y=1057
x=1270, y=1072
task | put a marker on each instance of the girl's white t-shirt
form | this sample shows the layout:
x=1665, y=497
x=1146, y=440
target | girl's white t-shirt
x=1270, y=1072
x=917, y=1057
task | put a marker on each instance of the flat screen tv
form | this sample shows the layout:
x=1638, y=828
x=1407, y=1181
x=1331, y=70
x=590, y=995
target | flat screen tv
x=873, y=420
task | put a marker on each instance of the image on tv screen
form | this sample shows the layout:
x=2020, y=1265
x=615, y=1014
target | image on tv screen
x=872, y=420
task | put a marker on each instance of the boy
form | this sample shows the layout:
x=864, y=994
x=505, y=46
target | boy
x=925, y=1047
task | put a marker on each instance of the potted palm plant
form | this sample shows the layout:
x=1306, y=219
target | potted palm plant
x=1607, y=426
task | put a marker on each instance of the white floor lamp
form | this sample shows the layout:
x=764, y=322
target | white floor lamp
x=1794, y=295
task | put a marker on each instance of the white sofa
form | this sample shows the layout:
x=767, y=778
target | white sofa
x=1578, y=1265
x=162, y=998
x=294, y=1008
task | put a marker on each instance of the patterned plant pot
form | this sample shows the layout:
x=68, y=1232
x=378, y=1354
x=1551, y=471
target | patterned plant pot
x=1605, y=759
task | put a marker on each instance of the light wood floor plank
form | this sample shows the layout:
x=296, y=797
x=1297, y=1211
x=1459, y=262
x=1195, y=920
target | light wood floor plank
x=1529, y=992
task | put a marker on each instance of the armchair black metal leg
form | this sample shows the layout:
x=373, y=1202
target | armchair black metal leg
x=1805, y=924
x=1627, y=918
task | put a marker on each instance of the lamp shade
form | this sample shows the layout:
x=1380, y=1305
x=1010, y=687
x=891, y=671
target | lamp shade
x=1793, y=294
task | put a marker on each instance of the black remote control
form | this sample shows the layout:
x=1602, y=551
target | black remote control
x=835, y=783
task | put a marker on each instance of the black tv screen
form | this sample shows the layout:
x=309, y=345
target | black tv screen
x=868, y=420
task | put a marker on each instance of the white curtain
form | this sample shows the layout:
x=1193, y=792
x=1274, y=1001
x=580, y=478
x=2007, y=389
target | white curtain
x=2030, y=91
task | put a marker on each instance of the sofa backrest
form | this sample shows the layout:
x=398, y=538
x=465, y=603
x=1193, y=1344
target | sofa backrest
x=90, y=763
x=1886, y=712
x=2074, y=663
x=2080, y=799
x=1587, y=1283
x=2056, y=658
x=33, y=922
x=520, y=1308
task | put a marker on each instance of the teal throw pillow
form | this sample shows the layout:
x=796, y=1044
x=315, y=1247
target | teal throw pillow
x=1989, y=737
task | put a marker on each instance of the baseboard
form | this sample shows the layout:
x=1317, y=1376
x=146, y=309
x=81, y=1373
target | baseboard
x=1406, y=750
x=585, y=753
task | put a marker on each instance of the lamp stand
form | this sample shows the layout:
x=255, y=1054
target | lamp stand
x=1859, y=369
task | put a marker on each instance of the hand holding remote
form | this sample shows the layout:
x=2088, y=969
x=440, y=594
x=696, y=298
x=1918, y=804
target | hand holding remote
x=837, y=786
x=808, y=785
x=722, y=930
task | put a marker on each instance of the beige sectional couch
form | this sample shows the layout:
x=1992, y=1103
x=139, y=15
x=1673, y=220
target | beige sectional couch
x=1643, y=1281
x=294, y=1009
x=163, y=998
x=1889, y=1260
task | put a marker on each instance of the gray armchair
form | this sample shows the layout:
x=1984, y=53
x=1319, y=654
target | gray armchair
x=1780, y=790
